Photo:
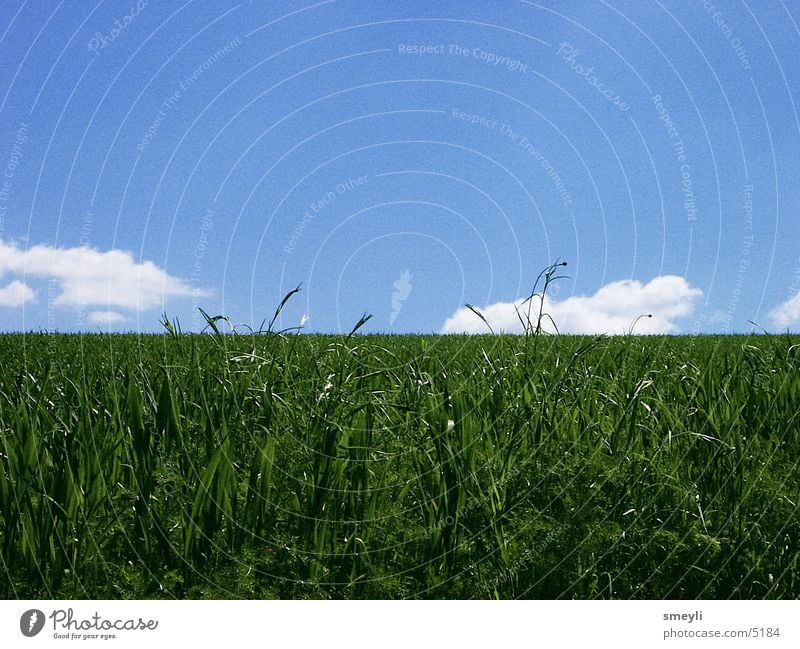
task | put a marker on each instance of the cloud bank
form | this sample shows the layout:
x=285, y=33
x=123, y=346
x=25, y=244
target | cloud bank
x=106, y=318
x=16, y=294
x=89, y=277
x=611, y=310
x=787, y=313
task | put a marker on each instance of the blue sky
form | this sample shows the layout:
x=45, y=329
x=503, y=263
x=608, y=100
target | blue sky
x=401, y=159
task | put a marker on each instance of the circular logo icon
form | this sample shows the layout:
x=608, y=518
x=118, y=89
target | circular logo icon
x=31, y=622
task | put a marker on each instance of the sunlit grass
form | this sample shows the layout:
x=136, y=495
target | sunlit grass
x=273, y=465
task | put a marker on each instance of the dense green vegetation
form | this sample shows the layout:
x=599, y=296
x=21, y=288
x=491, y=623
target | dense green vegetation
x=387, y=467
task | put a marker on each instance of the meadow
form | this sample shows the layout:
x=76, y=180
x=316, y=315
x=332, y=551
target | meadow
x=306, y=466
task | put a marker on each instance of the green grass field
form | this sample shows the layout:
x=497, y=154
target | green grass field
x=305, y=466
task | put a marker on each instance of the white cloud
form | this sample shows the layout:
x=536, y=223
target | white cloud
x=90, y=277
x=787, y=313
x=611, y=310
x=104, y=317
x=16, y=294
